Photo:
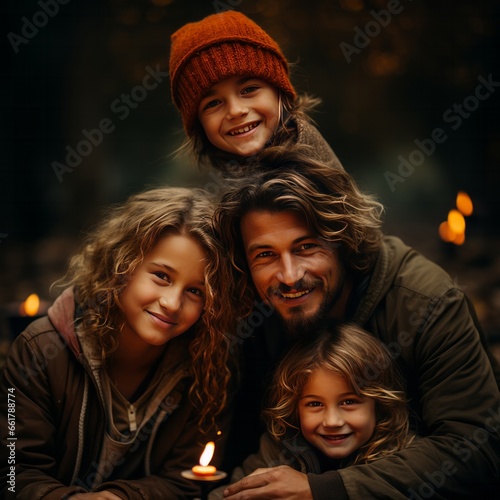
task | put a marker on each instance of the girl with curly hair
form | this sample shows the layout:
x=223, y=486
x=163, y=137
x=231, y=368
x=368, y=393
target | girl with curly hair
x=335, y=401
x=121, y=386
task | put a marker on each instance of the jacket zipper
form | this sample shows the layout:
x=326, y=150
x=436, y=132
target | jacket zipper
x=132, y=422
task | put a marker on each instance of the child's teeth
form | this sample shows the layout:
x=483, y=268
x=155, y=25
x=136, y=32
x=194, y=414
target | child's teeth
x=244, y=129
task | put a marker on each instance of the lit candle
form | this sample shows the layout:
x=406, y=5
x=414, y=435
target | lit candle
x=204, y=470
x=30, y=306
x=19, y=316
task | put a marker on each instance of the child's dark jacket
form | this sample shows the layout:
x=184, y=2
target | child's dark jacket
x=60, y=419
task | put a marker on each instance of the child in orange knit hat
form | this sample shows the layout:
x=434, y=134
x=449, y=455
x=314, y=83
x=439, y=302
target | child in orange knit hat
x=230, y=82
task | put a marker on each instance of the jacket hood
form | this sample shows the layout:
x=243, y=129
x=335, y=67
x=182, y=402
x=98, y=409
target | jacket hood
x=62, y=315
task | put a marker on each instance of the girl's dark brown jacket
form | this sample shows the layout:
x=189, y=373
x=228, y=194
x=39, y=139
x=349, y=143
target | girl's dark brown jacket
x=60, y=419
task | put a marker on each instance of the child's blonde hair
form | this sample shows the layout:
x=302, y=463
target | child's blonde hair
x=118, y=245
x=367, y=366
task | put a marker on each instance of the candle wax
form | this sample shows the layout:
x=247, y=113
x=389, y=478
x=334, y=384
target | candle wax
x=203, y=470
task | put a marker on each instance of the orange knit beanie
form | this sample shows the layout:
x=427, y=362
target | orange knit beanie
x=218, y=47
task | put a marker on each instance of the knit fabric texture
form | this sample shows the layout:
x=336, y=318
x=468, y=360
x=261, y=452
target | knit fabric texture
x=221, y=46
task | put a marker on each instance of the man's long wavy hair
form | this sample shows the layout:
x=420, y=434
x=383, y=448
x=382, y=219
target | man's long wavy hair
x=327, y=198
x=114, y=250
x=368, y=368
x=291, y=111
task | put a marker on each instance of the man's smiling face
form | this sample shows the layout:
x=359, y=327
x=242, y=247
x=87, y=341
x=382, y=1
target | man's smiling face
x=293, y=269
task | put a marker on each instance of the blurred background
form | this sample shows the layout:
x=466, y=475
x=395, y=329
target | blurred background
x=410, y=91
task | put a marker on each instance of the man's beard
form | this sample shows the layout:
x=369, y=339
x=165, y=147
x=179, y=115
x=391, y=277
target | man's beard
x=299, y=324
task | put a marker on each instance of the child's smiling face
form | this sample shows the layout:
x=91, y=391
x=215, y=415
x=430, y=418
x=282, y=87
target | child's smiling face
x=166, y=294
x=240, y=114
x=332, y=417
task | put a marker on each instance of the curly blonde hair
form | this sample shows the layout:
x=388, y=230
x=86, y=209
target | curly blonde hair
x=118, y=245
x=367, y=366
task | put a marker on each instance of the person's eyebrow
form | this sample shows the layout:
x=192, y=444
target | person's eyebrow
x=244, y=79
x=339, y=396
x=172, y=270
x=310, y=396
x=261, y=246
x=210, y=92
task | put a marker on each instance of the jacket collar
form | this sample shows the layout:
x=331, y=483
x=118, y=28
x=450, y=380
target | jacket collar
x=391, y=255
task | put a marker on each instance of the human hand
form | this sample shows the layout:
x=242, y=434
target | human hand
x=98, y=495
x=274, y=482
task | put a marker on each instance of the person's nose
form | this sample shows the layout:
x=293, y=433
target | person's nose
x=332, y=417
x=236, y=107
x=171, y=300
x=290, y=270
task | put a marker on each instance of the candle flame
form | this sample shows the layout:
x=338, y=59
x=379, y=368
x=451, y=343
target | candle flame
x=464, y=203
x=207, y=454
x=453, y=229
x=445, y=232
x=456, y=221
x=30, y=306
